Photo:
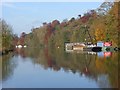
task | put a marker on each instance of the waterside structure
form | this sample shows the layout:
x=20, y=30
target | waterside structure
x=83, y=46
x=78, y=46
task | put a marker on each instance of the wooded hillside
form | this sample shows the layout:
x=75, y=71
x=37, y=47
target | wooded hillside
x=102, y=24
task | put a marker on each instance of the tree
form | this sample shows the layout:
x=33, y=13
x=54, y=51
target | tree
x=79, y=16
x=7, y=35
x=22, y=38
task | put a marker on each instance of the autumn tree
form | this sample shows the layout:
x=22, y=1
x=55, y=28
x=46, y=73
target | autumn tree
x=7, y=35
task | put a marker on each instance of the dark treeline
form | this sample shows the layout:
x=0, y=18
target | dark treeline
x=102, y=24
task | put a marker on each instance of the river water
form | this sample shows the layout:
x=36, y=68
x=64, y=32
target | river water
x=42, y=68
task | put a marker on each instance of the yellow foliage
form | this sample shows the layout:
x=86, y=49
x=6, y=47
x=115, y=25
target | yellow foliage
x=100, y=65
x=99, y=34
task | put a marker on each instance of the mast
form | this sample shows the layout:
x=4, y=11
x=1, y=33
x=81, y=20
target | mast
x=86, y=29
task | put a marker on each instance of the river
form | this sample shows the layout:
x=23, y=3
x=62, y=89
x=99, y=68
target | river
x=42, y=68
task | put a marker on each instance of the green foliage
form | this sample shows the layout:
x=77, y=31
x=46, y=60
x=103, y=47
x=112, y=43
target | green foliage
x=6, y=35
x=108, y=25
x=102, y=25
x=36, y=38
x=0, y=34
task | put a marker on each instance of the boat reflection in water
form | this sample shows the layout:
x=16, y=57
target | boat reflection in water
x=104, y=54
x=0, y=72
x=42, y=68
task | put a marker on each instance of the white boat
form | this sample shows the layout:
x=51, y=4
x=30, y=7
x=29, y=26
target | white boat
x=18, y=46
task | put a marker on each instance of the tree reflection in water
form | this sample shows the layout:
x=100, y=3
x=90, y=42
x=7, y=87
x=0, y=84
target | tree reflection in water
x=8, y=66
x=103, y=70
x=0, y=69
x=109, y=66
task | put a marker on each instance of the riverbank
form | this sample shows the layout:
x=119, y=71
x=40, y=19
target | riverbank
x=6, y=51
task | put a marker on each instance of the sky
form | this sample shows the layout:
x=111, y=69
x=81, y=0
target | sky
x=23, y=16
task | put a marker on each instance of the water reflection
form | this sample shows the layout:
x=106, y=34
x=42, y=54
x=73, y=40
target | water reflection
x=8, y=65
x=82, y=69
x=0, y=72
x=104, y=54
